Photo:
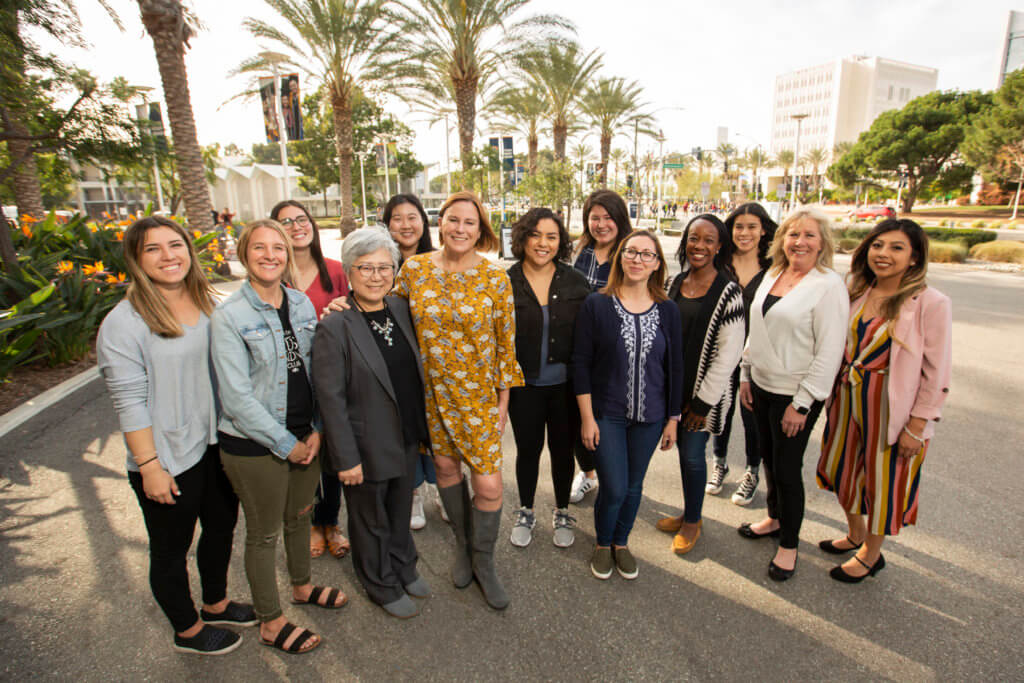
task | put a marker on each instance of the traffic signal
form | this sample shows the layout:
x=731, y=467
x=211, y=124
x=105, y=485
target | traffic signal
x=629, y=181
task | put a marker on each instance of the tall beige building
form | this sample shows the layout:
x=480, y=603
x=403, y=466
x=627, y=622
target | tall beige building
x=841, y=98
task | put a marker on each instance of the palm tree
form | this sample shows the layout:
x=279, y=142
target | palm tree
x=171, y=26
x=726, y=152
x=561, y=71
x=341, y=43
x=523, y=107
x=581, y=151
x=816, y=157
x=756, y=160
x=611, y=105
x=618, y=156
x=706, y=162
x=785, y=159
x=463, y=42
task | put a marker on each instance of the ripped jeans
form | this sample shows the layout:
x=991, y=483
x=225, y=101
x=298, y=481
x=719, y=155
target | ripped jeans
x=275, y=494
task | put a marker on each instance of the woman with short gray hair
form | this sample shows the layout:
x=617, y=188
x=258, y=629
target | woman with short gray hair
x=369, y=383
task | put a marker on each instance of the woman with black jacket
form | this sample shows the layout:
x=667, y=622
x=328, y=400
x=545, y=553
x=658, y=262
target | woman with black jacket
x=711, y=309
x=548, y=294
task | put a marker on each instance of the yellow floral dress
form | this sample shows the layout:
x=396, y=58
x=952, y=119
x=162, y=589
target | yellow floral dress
x=466, y=329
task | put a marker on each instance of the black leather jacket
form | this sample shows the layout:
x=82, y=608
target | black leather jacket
x=565, y=296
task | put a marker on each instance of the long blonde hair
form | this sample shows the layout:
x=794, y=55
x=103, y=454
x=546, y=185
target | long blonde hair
x=861, y=277
x=777, y=252
x=143, y=295
x=243, y=245
x=655, y=281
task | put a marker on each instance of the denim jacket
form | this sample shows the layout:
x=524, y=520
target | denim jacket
x=247, y=345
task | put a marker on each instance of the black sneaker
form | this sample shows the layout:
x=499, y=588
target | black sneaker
x=717, y=478
x=235, y=614
x=209, y=641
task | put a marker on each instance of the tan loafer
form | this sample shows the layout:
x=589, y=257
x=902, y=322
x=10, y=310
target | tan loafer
x=669, y=525
x=681, y=544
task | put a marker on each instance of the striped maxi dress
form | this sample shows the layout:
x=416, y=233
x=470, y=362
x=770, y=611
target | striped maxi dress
x=866, y=474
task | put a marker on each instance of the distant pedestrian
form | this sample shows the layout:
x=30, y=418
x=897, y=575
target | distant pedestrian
x=153, y=351
x=888, y=394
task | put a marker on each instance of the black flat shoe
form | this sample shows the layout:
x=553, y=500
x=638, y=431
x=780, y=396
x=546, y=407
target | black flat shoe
x=839, y=574
x=777, y=573
x=831, y=548
x=746, y=532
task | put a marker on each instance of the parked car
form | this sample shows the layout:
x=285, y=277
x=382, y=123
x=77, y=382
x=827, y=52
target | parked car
x=877, y=211
x=433, y=215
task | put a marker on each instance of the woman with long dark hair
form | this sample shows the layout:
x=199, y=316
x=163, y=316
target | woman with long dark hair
x=322, y=279
x=711, y=310
x=751, y=230
x=605, y=224
x=548, y=294
x=888, y=394
x=153, y=350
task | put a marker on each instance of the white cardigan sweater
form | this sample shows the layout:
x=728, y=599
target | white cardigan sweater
x=796, y=350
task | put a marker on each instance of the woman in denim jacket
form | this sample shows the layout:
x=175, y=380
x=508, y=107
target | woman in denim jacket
x=270, y=432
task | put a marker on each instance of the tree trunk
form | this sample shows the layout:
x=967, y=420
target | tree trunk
x=166, y=25
x=910, y=196
x=342, y=106
x=532, y=143
x=465, y=107
x=560, y=131
x=1016, y=197
x=27, y=193
x=606, y=150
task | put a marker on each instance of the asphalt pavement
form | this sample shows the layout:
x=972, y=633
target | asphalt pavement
x=75, y=602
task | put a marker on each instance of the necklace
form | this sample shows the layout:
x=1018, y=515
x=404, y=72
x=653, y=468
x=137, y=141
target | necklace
x=385, y=329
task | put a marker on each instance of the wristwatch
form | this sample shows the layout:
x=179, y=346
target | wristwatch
x=803, y=410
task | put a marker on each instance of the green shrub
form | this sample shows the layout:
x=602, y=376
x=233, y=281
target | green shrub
x=1003, y=251
x=947, y=252
x=848, y=244
x=968, y=237
x=995, y=225
x=979, y=224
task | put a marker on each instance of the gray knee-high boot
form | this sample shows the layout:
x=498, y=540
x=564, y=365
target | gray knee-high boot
x=485, y=533
x=456, y=503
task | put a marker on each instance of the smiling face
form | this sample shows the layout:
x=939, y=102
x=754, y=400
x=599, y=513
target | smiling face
x=266, y=257
x=746, y=233
x=406, y=226
x=802, y=244
x=542, y=243
x=702, y=245
x=372, y=277
x=165, y=258
x=639, y=259
x=460, y=228
x=298, y=226
x=602, y=228
x=890, y=255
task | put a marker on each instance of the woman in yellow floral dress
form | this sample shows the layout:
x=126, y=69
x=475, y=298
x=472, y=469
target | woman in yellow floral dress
x=465, y=323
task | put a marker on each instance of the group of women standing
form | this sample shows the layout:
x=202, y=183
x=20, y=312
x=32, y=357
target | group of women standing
x=431, y=352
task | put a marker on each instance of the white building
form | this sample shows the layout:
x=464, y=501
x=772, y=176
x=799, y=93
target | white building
x=1012, y=57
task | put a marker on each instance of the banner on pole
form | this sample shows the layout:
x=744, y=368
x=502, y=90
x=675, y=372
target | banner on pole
x=151, y=122
x=291, y=110
x=378, y=151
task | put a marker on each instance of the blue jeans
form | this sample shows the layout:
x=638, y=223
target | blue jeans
x=623, y=452
x=424, y=471
x=695, y=472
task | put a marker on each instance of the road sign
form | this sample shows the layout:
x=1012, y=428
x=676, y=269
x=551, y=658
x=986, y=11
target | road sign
x=666, y=165
x=705, y=189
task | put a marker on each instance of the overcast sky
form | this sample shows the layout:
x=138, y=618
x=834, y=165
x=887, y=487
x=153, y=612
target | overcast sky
x=717, y=59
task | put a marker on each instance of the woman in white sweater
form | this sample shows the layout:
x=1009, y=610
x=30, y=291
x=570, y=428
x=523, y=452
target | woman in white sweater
x=797, y=337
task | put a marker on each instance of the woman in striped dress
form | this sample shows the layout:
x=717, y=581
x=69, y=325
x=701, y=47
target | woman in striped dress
x=888, y=395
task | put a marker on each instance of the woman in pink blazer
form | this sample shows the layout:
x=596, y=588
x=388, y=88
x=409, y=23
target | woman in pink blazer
x=888, y=395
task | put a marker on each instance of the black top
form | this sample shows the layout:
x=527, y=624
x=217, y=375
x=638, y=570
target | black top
x=769, y=301
x=688, y=310
x=405, y=378
x=299, y=418
x=566, y=294
x=748, y=297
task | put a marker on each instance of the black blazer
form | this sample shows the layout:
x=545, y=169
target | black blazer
x=565, y=297
x=361, y=419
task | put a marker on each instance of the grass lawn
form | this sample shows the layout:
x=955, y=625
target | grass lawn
x=964, y=211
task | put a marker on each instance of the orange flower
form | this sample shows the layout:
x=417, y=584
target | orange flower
x=95, y=268
x=65, y=267
x=219, y=258
x=119, y=235
x=25, y=218
x=111, y=280
x=93, y=227
x=26, y=231
x=196, y=234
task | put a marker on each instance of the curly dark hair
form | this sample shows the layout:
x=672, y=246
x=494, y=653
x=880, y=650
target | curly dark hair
x=522, y=228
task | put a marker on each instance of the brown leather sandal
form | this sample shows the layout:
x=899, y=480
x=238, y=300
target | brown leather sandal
x=337, y=544
x=317, y=541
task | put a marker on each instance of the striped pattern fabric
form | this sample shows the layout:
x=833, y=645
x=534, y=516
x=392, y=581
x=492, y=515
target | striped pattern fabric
x=866, y=474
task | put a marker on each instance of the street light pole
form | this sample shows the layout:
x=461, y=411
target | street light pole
x=362, y=183
x=275, y=58
x=143, y=90
x=799, y=118
x=757, y=169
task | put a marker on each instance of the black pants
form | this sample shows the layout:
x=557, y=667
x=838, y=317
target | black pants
x=783, y=461
x=530, y=408
x=383, y=552
x=721, y=442
x=206, y=496
x=328, y=504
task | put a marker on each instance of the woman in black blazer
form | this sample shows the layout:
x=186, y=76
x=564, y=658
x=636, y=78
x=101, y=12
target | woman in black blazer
x=369, y=382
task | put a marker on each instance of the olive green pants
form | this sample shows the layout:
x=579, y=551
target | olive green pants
x=274, y=493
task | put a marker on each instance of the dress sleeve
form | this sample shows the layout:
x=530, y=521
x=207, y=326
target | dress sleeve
x=402, y=280
x=507, y=373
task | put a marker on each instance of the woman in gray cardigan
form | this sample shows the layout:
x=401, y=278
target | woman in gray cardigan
x=369, y=383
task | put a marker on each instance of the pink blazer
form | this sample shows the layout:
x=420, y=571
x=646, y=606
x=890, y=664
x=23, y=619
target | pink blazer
x=920, y=362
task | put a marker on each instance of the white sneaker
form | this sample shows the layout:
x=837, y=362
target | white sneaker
x=522, y=530
x=565, y=526
x=418, y=520
x=581, y=486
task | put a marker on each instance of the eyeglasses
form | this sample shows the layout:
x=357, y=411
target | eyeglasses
x=645, y=256
x=301, y=220
x=384, y=270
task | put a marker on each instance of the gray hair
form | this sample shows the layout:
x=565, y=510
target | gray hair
x=365, y=241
